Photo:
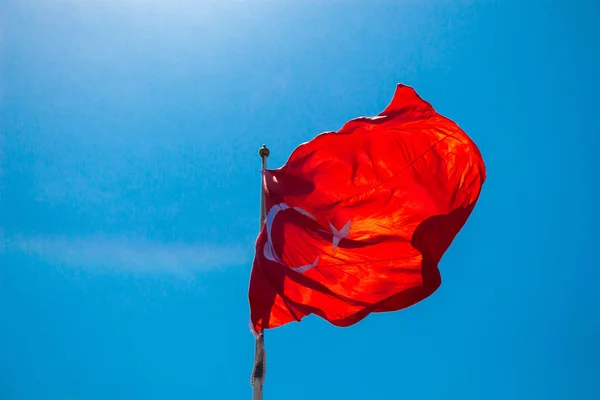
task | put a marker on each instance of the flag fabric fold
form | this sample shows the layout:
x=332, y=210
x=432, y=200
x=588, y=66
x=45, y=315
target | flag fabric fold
x=358, y=219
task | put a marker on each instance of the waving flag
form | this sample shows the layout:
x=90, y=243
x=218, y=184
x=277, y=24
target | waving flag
x=358, y=220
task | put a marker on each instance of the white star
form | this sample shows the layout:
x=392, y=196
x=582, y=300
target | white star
x=339, y=235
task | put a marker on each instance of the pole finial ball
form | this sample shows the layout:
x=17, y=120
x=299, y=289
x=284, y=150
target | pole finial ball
x=264, y=152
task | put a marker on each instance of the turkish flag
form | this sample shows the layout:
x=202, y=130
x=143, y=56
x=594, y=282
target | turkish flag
x=358, y=220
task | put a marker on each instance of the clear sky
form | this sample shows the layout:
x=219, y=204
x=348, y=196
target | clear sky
x=129, y=200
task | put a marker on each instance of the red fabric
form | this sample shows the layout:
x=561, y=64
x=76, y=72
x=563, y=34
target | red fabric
x=397, y=187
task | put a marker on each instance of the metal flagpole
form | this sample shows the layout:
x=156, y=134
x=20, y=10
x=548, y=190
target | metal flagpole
x=260, y=361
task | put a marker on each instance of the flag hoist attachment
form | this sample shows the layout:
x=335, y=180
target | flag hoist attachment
x=260, y=360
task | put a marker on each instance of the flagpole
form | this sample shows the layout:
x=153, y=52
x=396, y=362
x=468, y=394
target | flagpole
x=259, y=370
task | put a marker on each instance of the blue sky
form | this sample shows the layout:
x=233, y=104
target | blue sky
x=129, y=195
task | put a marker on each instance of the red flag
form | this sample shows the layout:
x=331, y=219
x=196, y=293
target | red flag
x=358, y=220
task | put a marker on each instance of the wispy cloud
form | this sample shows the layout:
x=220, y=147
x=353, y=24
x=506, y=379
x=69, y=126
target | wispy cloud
x=129, y=255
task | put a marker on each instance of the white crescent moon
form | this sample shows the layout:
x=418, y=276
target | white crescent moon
x=269, y=251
